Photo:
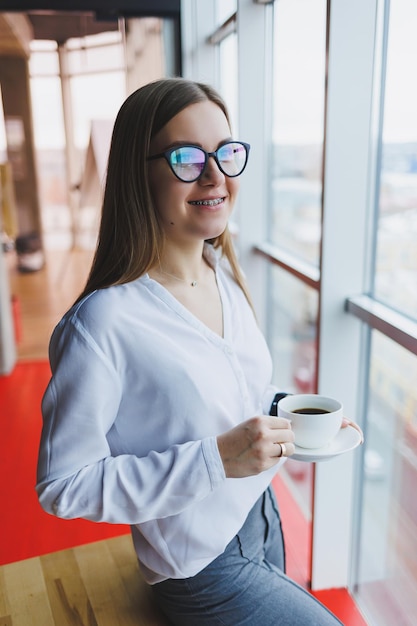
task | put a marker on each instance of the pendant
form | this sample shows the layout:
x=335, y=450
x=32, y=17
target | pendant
x=193, y=283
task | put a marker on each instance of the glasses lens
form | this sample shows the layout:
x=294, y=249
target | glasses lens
x=188, y=162
x=232, y=158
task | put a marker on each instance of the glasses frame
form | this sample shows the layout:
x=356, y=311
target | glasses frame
x=167, y=156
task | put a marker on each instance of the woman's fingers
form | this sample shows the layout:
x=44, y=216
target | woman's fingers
x=279, y=422
x=284, y=437
x=255, y=445
x=285, y=449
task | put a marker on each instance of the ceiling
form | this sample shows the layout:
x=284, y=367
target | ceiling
x=22, y=20
x=137, y=8
x=62, y=26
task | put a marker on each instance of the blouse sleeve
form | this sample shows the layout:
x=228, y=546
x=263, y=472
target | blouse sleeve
x=268, y=398
x=77, y=474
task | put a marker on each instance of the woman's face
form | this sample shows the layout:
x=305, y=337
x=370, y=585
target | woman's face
x=198, y=210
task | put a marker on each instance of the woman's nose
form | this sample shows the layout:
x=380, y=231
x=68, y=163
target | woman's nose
x=212, y=174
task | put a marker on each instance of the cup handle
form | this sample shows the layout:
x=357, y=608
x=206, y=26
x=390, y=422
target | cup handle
x=354, y=425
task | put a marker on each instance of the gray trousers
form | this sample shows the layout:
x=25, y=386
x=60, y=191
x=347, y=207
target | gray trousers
x=247, y=584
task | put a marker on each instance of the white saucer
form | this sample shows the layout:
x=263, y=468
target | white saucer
x=347, y=439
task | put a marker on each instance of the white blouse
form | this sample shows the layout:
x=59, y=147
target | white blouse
x=140, y=389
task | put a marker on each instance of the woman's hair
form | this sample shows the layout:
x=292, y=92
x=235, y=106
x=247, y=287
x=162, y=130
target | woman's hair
x=130, y=237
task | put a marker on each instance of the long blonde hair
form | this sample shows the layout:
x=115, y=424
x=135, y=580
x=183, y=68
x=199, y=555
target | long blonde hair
x=130, y=237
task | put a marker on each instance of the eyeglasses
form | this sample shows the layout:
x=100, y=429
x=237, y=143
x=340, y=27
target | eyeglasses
x=189, y=162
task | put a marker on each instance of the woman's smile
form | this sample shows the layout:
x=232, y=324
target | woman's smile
x=208, y=202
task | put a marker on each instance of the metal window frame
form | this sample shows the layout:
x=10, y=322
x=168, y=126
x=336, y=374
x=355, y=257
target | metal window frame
x=305, y=272
x=228, y=27
x=379, y=316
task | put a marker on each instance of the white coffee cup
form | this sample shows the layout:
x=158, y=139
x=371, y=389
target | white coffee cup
x=317, y=424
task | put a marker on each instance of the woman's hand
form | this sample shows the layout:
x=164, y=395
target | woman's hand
x=254, y=446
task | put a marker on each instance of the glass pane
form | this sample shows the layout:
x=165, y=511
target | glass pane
x=388, y=540
x=42, y=45
x=224, y=9
x=228, y=78
x=292, y=340
x=298, y=123
x=89, y=103
x=44, y=62
x=50, y=159
x=99, y=39
x=396, y=270
x=48, y=120
x=87, y=60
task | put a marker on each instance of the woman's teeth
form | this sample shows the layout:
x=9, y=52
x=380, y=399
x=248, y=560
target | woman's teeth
x=207, y=202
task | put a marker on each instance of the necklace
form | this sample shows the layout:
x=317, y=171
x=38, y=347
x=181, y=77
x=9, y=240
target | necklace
x=193, y=283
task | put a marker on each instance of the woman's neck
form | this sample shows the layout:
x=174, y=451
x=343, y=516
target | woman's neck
x=185, y=266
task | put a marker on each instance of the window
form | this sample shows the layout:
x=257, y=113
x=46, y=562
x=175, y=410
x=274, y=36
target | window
x=49, y=133
x=83, y=81
x=298, y=123
x=224, y=9
x=386, y=565
x=396, y=262
x=90, y=76
x=45, y=87
x=386, y=576
x=295, y=201
x=228, y=78
x=339, y=299
x=96, y=68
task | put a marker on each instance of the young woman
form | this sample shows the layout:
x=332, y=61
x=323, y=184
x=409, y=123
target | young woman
x=157, y=413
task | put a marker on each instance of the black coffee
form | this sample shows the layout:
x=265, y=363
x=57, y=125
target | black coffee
x=310, y=411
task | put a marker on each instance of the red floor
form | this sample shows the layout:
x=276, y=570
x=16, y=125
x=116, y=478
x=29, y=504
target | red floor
x=25, y=529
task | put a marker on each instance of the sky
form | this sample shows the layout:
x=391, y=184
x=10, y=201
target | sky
x=299, y=64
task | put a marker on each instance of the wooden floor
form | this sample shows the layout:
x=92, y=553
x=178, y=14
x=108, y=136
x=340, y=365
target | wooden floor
x=98, y=584
x=42, y=297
